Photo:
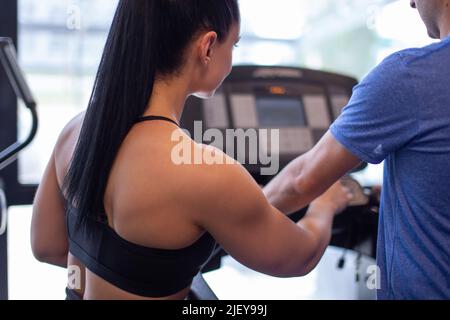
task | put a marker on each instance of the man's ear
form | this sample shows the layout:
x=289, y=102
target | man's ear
x=207, y=46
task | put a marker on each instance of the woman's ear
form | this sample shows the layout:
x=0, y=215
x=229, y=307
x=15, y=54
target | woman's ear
x=207, y=46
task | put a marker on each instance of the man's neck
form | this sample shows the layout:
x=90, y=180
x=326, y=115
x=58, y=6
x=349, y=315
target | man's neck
x=445, y=25
x=445, y=31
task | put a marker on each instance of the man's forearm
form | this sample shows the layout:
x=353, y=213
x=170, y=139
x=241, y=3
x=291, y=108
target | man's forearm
x=310, y=175
x=289, y=191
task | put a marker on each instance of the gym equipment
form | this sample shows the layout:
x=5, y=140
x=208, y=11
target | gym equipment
x=300, y=103
x=9, y=61
x=200, y=290
x=15, y=76
x=3, y=211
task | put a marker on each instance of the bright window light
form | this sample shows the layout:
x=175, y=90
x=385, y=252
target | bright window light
x=268, y=19
x=267, y=53
x=396, y=21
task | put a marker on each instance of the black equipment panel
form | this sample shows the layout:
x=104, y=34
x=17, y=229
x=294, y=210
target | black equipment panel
x=300, y=103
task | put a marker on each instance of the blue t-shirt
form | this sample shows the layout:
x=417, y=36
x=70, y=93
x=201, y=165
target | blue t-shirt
x=400, y=113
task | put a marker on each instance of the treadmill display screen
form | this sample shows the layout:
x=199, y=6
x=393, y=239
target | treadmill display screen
x=280, y=112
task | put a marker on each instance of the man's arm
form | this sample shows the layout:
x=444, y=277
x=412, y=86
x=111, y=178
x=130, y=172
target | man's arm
x=310, y=175
x=380, y=118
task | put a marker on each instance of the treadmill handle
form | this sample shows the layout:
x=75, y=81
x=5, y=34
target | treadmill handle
x=3, y=212
x=8, y=59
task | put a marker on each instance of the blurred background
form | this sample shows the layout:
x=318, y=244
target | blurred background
x=60, y=44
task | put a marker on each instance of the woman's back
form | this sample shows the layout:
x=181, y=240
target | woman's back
x=144, y=195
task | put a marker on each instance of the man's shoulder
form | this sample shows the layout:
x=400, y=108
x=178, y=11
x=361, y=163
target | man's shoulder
x=407, y=56
x=394, y=62
x=428, y=52
x=388, y=75
x=398, y=64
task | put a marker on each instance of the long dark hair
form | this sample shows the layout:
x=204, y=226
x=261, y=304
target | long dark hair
x=148, y=38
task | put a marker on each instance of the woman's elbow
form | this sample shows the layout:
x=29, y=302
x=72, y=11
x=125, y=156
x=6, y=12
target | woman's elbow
x=291, y=268
x=41, y=256
x=59, y=260
x=49, y=253
x=40, y=252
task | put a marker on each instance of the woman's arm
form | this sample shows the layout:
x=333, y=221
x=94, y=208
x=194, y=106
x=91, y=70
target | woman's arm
x=234, y=210
x=48, y=228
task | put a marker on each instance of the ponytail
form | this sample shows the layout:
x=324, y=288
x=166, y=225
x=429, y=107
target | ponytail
x=147, y=38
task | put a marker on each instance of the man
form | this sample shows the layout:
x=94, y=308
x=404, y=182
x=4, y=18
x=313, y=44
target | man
x=399, y=113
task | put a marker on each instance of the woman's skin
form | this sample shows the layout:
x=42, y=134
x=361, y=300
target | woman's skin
x=152, y=202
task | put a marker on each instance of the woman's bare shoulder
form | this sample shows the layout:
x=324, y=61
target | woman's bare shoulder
x=71, y=129
x=218, y=182
x=65, y=145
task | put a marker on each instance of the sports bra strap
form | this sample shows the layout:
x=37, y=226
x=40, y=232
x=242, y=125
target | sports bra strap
x=156, y=118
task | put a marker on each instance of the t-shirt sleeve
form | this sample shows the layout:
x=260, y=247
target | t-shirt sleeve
x=381, y=116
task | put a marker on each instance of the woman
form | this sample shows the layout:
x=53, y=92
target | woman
x=113, y=203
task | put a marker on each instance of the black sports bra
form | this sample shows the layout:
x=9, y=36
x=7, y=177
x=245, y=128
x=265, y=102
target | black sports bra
x=136, y=269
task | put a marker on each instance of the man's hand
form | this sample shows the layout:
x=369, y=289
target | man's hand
x=335, y=200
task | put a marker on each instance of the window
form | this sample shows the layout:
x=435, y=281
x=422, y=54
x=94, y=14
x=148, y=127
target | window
x=60, y=45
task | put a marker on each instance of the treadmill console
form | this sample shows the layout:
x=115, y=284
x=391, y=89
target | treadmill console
x=301, y=104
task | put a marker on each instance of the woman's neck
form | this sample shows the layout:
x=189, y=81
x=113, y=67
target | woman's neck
x=168, y=98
